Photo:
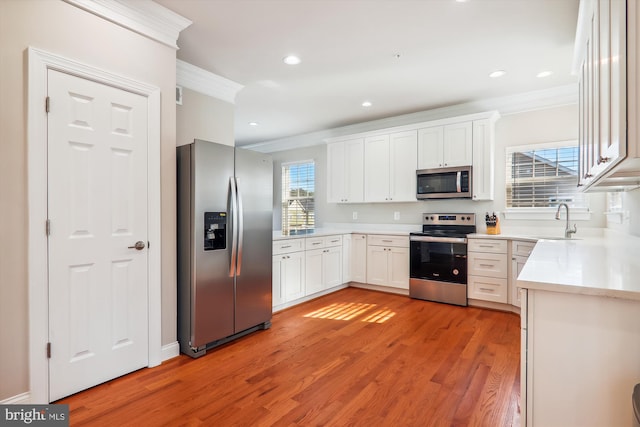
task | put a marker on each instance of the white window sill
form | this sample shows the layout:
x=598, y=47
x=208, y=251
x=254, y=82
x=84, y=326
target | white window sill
x=541, y=214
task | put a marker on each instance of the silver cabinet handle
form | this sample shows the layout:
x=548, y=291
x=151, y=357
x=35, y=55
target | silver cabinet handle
x=138, y=246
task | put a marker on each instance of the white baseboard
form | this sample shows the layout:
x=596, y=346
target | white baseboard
x=20, y=399
x=169, y=351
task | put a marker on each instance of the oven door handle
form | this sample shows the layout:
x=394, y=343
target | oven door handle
x=438, y=239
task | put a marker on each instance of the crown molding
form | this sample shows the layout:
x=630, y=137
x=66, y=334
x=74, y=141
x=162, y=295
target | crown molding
x=512, y=104
x=142, y=16
x=206, y=82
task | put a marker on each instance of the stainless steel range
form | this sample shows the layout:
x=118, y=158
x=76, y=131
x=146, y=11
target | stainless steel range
x=438, y=258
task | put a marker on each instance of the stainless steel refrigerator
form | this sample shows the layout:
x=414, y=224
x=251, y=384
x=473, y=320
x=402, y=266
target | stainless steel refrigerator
x=225, y=209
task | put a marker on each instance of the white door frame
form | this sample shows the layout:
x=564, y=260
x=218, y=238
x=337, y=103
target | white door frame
x=39, y=62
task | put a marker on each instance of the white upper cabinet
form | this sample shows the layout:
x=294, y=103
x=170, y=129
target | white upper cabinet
x=403, y=164
x=390, y=167
x=483, y=171
x=376, y=168
x=457, y=145
x=606, y=61
x=430, y=144
x=445, y=146
x=380, y=166
x=345, y=171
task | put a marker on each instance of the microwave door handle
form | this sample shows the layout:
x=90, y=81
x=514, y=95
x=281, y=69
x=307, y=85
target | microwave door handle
x=458, y=179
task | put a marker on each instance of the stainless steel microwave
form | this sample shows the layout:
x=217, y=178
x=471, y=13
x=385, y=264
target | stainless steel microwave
x=444, y=183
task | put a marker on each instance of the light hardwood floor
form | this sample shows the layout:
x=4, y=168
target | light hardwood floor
x=351, y=358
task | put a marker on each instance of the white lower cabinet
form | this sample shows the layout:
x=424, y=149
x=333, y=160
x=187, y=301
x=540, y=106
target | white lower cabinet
x=358, y=258
x=288, y=277
x=323, y=269
x=388, y=261
x=487, y=270
x=580, y=359
x=520, y=251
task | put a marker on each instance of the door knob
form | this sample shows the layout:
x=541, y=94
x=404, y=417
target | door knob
x=139, y=245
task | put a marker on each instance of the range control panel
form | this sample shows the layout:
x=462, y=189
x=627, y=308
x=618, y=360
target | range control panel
x=449, y=219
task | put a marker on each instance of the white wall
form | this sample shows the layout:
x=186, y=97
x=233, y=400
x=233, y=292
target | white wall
x=60, y=28
x=631, y=220
x=540, y=126
x=203, y=117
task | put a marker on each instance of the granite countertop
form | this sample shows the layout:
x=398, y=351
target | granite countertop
x=601, y=266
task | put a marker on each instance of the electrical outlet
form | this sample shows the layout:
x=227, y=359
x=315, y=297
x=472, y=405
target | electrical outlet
x=355, y=215
x=396, y=216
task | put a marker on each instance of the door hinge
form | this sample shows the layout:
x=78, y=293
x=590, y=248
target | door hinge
x=48, y=227
x=46, y=104
x=48, y=350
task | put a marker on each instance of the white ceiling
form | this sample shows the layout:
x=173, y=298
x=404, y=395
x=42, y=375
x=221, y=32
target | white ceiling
x=348, y=48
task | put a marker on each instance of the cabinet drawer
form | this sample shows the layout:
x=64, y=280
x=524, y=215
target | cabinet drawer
x=487, y=264
x=314, y=243
x=520, y=248
x=487, y=245
x=383, y=240
x=287, y=246
x=330, y=241
x=488, y=289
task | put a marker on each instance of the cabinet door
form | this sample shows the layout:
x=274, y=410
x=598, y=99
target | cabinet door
x=359, y=258
x=313, y=276
x=377, y=265
x=376, y=168
x=398, y=268
x=292, y=276
x=457, y=149
x=517, y=264
x=403, y=164
x=336, y=172
x=430, y=143
x=482, y=181
x=354, y=171
x=277, y=296
x=347, y=244
x=332, y=267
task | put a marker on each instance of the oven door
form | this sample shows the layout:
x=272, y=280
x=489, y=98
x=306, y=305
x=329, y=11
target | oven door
x=439, y=259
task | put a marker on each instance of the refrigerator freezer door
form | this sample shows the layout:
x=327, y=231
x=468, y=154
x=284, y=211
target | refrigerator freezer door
x=254, y=177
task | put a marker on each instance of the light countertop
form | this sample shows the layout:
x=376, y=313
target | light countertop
x=601, y=266
x=348, y=228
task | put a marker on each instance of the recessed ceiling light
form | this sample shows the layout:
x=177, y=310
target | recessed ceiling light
x=461, y=1
x=367, y=104
x=497, y=73
x=543, y=74
x=291, y=60
x=253, y=123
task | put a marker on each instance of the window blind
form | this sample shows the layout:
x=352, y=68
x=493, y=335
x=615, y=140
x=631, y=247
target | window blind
x=542, y=177
x=298, y=191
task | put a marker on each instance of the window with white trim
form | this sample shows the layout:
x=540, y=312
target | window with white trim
x=543, y=176
x=298, y=192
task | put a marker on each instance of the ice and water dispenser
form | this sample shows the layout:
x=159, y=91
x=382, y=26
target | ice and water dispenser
x=215, y=230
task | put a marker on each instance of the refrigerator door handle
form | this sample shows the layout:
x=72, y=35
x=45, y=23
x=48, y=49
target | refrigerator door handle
x=234, y=221
x=240, y=233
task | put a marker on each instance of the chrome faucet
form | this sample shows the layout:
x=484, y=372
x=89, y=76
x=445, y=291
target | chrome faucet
x=567, y=231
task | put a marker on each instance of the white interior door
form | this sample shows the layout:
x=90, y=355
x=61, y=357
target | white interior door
x=97, y=208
